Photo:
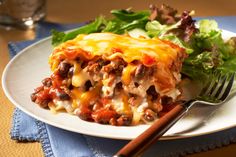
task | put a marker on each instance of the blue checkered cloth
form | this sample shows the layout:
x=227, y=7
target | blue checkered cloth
x=60, y=143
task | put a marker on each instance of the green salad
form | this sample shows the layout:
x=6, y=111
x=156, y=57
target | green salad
x=207, y=50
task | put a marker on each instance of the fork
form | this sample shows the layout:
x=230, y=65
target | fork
x=215, y=92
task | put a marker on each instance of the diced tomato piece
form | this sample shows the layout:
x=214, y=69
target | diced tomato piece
x=104, y=115
x=148, y=60
x=115, y=50
x=44, y=94
x=84, y=113
x=105, y=101
x=56, y=80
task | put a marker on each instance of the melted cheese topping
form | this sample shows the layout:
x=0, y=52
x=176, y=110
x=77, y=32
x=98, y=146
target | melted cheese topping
x=109, y=46
x=155, y=53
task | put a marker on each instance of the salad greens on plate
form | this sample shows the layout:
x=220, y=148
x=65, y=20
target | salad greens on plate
x=208, y=51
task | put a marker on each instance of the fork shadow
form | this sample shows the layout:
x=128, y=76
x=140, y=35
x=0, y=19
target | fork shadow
x=203, y=113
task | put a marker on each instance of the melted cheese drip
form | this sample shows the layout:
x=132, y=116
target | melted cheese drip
x=126, y=76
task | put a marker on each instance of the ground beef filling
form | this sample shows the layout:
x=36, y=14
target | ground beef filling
x=105, y=79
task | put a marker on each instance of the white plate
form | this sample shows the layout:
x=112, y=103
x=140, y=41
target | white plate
x=30, y=66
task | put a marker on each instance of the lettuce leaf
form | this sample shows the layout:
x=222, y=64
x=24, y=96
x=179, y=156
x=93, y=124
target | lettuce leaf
x=156, y=29
x=177, y=41
x=95, y=26
x=206, y=26
x=124, y=20
x=228, y=65
x=129, y=16
x=211, y=52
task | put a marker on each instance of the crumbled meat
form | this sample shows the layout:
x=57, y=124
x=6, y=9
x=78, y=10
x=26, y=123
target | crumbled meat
x=47, y=82
x=109, y=67
x=33, y=97
x=84, y=113
x=113, y=121
x=109, y=85
x=124, y=120
x=43, y=103
x=140, y=90
x=104, y=115
x=156, y=106
x=134, y=100
x=150, y=115
x=41, y=96
x=94, y=70
x=96, y=106
x=116, y=66
x=93, y=67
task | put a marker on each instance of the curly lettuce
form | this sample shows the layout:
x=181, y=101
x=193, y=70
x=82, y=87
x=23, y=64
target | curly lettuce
x=211, y=52
x=207, y=50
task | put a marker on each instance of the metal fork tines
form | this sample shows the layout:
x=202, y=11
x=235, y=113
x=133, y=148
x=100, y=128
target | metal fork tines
x=218, y=89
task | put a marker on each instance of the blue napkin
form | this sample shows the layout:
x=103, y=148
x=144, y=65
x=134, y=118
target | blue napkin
x=60, y=143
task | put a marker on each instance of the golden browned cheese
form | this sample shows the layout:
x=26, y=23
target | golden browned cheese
x=111, y=45
x=150, y=52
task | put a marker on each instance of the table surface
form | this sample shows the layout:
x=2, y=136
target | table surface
x=82, y=10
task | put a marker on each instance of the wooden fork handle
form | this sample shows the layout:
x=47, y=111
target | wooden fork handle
x=138, y=145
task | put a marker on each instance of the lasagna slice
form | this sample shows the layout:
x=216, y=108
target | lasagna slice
x=112, y=79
